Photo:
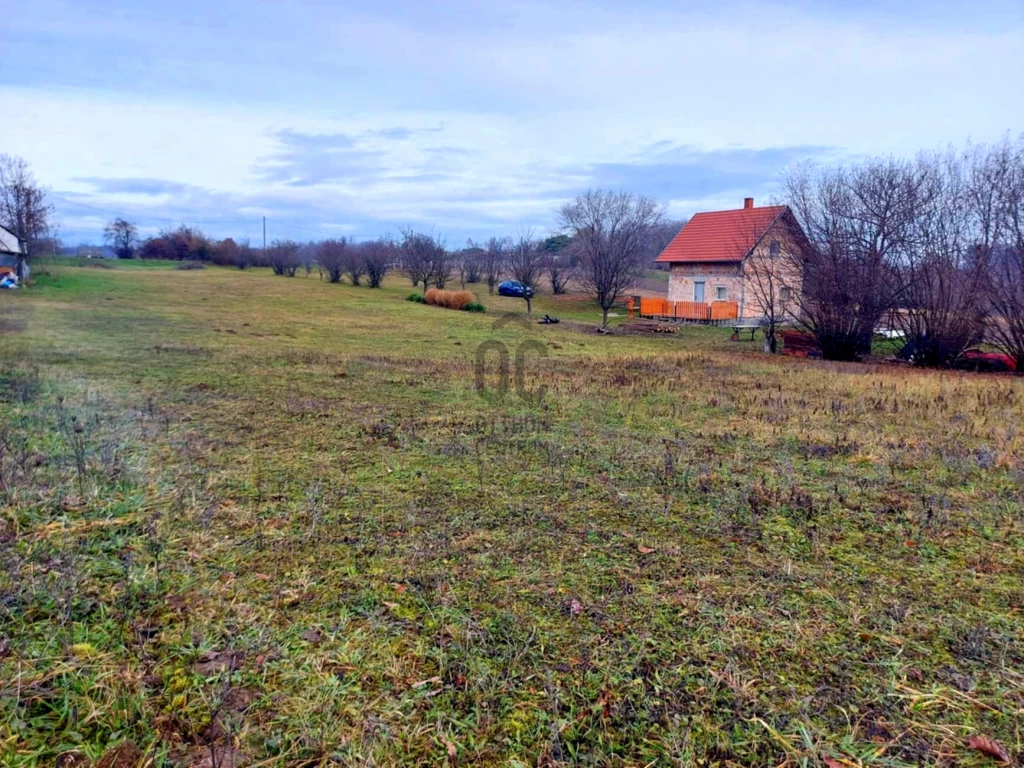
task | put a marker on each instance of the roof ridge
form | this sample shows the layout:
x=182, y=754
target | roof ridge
x=722, y=236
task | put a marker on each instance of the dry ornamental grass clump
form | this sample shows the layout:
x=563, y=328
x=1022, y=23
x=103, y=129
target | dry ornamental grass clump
x=449, y=299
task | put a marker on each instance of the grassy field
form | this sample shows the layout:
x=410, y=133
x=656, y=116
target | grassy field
x=252, y=520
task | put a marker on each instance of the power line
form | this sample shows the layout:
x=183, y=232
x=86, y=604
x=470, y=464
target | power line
x=151, y=217
x=282, y=223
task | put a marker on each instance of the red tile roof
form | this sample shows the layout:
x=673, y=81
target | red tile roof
x=721, y=235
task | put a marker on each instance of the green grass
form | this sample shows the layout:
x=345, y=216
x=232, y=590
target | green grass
x=271, y=515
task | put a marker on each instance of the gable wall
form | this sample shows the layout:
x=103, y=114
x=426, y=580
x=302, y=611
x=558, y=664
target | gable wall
x=737, y=282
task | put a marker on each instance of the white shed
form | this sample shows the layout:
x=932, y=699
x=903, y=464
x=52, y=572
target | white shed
x=12, y=254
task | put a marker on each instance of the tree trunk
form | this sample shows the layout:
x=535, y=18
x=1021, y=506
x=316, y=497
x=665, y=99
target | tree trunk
x=529, y=305
x=604, y=317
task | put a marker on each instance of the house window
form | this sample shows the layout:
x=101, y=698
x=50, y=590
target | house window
x=720, y=293
x=784, y=293
x=698, y=291
x=773, y=247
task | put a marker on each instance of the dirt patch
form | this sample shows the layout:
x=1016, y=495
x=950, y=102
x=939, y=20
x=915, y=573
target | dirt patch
x=640, y=327
x=124, y=755
x=219, y=757
x=213, y=662
x=238, y=700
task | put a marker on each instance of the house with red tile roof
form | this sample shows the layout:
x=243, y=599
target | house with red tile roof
x=747, y=256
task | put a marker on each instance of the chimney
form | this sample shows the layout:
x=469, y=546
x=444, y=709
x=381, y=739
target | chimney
x=748, y=202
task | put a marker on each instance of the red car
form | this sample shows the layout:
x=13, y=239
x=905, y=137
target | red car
x=977, y=360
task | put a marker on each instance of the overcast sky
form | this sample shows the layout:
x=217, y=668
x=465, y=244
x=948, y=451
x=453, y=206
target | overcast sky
x=476, y=118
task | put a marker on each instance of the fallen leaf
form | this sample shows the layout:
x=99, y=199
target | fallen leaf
x=575, y=607
x=452, y=749
x=263, y=576
x=990, y=747
x=313, y=636
x=831, y=762
x=645, y=550
x=399, y=588
x=428, y=681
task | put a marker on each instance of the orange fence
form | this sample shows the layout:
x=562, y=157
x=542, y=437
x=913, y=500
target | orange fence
x=689, y=310
x=724, y=310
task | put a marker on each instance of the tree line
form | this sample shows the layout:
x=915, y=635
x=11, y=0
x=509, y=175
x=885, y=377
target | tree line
x=608, y=239
x=932, y=248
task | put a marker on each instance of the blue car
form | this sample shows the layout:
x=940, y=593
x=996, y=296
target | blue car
x=515, y=288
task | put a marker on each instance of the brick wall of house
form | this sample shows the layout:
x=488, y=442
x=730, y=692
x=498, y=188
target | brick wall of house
x=682, y=277
x=738, y=287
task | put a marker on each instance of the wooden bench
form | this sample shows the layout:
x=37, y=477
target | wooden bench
x=738, y=327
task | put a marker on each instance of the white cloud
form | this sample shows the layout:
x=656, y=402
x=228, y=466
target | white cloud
x=533, y=97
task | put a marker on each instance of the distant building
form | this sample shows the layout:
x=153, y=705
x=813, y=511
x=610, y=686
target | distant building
x=95, y=252
x=13, y=255
x=724, y=255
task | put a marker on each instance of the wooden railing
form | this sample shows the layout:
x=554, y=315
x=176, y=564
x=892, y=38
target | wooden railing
x=697, y=311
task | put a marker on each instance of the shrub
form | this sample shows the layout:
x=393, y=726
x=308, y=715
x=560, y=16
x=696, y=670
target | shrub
x=449, y=299
x=377, y=258
x=284, y=257
x=416, y=297
x=475, y=306
x=332, y=256
x=191, y=265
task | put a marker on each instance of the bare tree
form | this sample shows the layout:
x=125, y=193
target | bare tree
x=425, y=259
x=355, y=264
x=470, y=263
x=526, y=266
x=660, y=236
x=493, y=261
x=122, y=236
x=244, y=256
x=23, y=207
x=772, y=283
x=284, y=257
x=444, y=264
x=859, y=222
x=333, y=256
x=559, y=269
x=558, y=261
x=610, y=231
x=378, y=256
x=1005, y=172
x=942, y=274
